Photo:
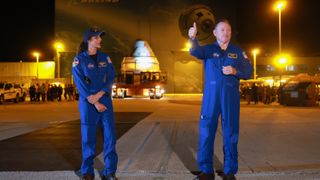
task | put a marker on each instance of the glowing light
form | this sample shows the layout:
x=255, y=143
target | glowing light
x=36, y=54
x=255, y=51
x=278, y=6
x=282, y=60
x=145, y=92
x=269, y=82
x=283, y=80
x=187, y=46
x=59, y=46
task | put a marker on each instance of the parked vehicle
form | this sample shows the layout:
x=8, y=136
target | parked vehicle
x=12, y=92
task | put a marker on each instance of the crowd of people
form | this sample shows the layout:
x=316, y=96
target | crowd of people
x=51, y=92
x=259, y=93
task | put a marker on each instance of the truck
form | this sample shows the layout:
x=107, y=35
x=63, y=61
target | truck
x=12, y=92
x=301, y=90
x=140, y=75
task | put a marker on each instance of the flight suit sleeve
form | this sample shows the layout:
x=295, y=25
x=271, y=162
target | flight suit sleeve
x=111, y=73
x=196, y=50
x=79, y=78
x=245, y=68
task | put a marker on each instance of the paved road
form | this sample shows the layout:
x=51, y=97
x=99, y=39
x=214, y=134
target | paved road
x=61, y=144
x=275, y=142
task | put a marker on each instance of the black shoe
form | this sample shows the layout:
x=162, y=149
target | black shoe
x=205, y=176
x=111, y=176
x=229, y=177
x=87, y=177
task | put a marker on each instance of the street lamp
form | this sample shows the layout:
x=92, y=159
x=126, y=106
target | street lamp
x=37, y=54
x=255, y=52
x=282, y=63
x=59, y=48
x=282, y=60
x=279, y=6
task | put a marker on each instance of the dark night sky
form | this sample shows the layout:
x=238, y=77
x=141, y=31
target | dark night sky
x=26, y=26
x=300, y=26
x=29, y=25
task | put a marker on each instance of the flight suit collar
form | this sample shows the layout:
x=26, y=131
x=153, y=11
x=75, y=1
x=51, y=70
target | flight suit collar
x=218, y=46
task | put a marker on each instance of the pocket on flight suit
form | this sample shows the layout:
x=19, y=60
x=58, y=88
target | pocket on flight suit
x=205, y=127
x=205, y=120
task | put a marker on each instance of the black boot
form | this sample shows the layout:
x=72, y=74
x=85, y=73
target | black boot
x=229, y=177
x=87, y=177
x=205, y=176
x=111, y=176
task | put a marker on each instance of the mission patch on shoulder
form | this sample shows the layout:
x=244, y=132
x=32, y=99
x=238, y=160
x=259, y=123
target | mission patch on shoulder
x=109, y=60
x=75, y=62
x=244, y=55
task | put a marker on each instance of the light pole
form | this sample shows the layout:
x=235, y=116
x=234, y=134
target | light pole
x=279, y=6
x=255, y=52
x=59, y=48
x=37, y=54
x=282, y=61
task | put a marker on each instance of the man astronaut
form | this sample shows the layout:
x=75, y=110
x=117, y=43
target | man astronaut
x=224, y=65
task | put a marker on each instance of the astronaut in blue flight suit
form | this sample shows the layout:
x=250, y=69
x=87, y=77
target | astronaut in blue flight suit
x=93, y=75
x=224, y=64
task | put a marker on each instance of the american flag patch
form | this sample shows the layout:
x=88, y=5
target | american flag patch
x=244, y=55
x=109, y=60
x=75, y=62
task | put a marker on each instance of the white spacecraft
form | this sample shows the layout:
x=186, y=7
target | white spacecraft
x=142, y=59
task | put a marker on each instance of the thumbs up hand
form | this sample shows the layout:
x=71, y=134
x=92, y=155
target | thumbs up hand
x=193, y=31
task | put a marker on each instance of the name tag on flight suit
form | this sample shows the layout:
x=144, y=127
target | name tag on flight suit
x=232, y=55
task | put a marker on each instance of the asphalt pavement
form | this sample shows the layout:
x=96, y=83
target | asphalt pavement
x=157, y=139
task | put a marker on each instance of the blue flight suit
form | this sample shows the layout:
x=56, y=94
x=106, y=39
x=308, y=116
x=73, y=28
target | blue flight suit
x=220, y=97
x=90, y=77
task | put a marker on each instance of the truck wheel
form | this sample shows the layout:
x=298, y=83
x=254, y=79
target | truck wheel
x=23, y=98
x=16, y=100
x=1, y=99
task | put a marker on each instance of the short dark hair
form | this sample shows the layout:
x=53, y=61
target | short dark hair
x=222, y=20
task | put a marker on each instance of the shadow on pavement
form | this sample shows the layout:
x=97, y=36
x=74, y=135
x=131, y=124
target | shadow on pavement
x=182, y=138
x=58, y=147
